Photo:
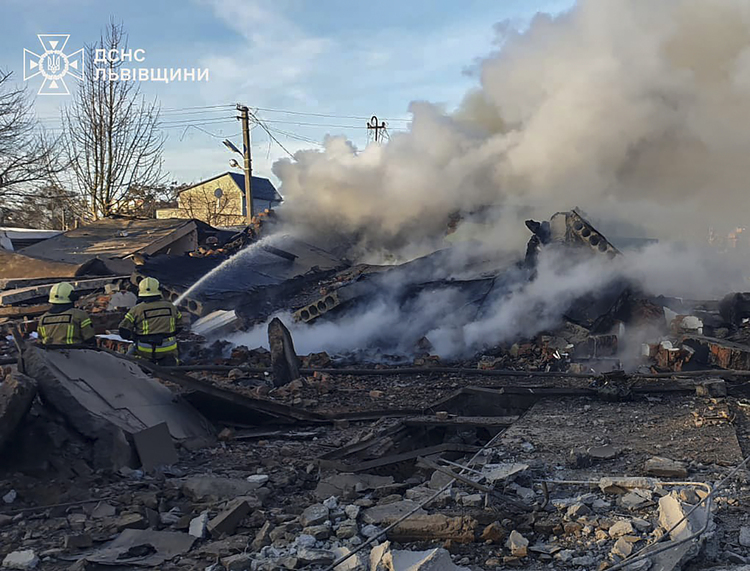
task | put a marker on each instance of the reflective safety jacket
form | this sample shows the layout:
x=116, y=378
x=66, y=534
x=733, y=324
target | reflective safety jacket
x=69, y=326
x=153, y=326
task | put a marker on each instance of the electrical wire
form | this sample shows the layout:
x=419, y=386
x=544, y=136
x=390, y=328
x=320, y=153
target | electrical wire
x=330, y=116
x=297, y=137
x=647, y=552
x=171, y=109
x=419, y=506
x=301, y=124
x=200, y=129
x=201, y=120
x=267, y=130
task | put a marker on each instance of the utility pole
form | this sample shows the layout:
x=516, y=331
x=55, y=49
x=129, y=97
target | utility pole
x=373, y=124
x=245, y=118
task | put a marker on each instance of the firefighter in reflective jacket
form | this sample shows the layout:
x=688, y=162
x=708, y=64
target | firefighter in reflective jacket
x=153, y=324
x=64, y=325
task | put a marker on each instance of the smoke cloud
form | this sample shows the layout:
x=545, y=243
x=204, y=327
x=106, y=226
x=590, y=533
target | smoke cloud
x=515, y=308
x=632, y=109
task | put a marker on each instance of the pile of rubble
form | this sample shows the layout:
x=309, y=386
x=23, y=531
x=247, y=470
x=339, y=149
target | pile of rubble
x=542, y=453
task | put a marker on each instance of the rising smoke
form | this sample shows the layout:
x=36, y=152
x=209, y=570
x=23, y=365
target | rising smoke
x=633, y=109
x=514, y=309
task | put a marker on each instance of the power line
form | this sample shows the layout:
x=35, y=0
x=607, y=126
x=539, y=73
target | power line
x=199, y=120
x=271, y=135
x=312, y=124
x=200, y=129
x=297, y=137
x=330, y=116
x=197, y=107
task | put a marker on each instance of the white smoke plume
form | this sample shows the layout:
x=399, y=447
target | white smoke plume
x=632, y=109
x=520, y=311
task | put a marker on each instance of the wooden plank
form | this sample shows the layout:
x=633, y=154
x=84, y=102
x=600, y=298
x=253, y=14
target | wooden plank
x=15, y=283
x=25, y=311
x=24, y=294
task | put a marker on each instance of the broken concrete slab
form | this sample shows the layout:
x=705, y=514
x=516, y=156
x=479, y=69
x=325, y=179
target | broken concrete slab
x=428, y=527
x=619, y=485
x=349, y=485
x=606, y=452
x=387, y=514
x=383, y=558
x=217, y=323
x=131, y=521
x=155, y=447
x=314, y=515
x=122, y=300
x=239, y=562
x=217, y=488
x=199, y=526
x=227, y=521
x=517, y=544
x=146, y=548
x=17, y=394
x=284, y=360
x=665, y=468
x=502, y=472
x=263, y=537
x=355, y=562
x=620, y=528
x=622, y=548
x=671, y=511
x=311, y=556
x=108, y=399
x=635, y=499
x=25, y=559
x=347, y=529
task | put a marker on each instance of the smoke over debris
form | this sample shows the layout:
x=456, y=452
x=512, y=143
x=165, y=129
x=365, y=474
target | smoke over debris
x=630, y=108
x=515, y=308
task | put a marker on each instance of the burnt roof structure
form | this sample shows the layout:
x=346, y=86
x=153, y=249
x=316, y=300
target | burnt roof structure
x=117, y=238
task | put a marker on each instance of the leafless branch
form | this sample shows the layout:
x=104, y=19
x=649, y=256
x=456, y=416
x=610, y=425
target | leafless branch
x=111, y=134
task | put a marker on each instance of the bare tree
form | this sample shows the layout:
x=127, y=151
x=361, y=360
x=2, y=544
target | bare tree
x=111, y=132
x=146, y=200
x=49, y=206
x=27, y=156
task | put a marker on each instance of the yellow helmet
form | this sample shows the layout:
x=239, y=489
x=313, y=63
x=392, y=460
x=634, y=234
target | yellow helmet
x=149, y=287
x=60, y=293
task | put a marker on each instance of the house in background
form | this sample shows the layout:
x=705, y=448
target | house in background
x=220, y=201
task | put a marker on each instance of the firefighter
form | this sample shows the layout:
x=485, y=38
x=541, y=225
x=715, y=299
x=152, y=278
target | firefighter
x=64, y=325
x=153, y=325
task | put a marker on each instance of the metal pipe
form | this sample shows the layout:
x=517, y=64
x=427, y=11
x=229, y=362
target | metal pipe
x=640, y=555
x=374, y=538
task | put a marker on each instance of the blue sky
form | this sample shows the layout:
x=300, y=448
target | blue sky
x=330, y=57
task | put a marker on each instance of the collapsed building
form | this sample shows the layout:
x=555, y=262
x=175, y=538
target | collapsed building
x=575, y=443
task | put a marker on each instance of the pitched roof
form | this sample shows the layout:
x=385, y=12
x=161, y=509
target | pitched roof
x=262, y=188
